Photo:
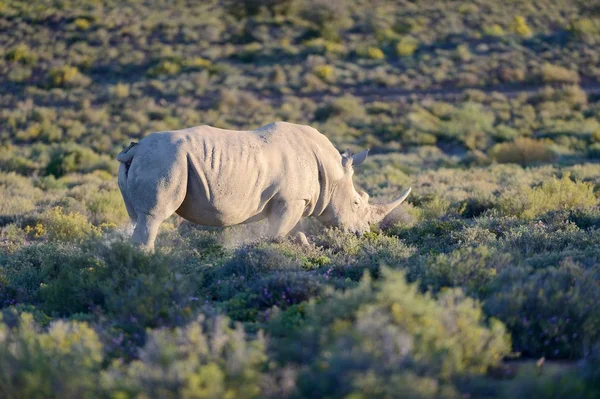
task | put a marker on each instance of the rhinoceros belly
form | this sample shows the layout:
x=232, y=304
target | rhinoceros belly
x=227, y=193
x=221, y=211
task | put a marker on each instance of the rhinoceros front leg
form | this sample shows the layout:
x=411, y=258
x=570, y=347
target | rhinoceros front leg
x=284, y=216
x=146, y=230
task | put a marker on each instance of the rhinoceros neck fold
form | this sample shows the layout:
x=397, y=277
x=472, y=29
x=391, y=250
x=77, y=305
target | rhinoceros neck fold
x=327, y=183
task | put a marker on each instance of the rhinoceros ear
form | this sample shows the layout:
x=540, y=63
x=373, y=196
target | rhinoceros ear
x=347, y=159
x=359, y=158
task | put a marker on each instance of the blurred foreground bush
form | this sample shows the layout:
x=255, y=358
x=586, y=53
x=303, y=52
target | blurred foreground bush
x=374, y=339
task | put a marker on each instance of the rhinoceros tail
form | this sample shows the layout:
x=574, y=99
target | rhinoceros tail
x=125, y=157
x=127, y=154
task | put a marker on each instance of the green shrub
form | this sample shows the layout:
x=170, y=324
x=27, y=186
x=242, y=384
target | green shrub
x=246, y=264
x=451, y=318
x=585, y=26
x=165, y=67
x=273, y=292
x=67, y=227
x=550, y=312
x=472, y=269
x=470, y=124
x=393, y=331
x=197, y=63
x=82, y=23
x=249, y=8
x=66, y=76
x=21, y=53
x=553, y=194
x=373, y=53
x=519, y=26
x=591, y=369
x=24, y=272
x=437, y=235
x=355, y=255
x=204, y=359
x=63, y=362
x=135, y=289
x=434, y=207
x=69, y=158
x=551, y=380
x=347, y=107
x=324, y=72
x=17, y=195
x=19, y=74
x=320, y=45
x=493, y=30
x=327, y=16
x=555, y=73
x=523, y=151
x=407, y=46
x=120, y=90
x=250, y=52
x=106, y=206
x=594, y=151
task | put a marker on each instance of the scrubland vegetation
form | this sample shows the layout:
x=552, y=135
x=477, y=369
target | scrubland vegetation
x=489, y=110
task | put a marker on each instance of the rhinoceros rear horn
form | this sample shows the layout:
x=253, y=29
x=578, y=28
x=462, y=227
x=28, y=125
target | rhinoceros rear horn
x=380, y=211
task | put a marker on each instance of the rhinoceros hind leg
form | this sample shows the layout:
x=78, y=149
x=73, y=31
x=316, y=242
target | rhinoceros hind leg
x=301, y=238
x=284, y=216
x=146, y=230
x=125, y=193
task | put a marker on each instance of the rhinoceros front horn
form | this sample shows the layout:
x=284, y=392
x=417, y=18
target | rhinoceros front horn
x=379, y=211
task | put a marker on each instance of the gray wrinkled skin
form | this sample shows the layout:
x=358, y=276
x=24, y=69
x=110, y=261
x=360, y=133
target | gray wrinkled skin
x=281, y=172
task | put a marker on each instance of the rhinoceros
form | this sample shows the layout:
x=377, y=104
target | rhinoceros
x=281, y=172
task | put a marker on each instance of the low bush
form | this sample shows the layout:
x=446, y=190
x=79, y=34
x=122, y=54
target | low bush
x=70, y=158
x=204, y=359
x=555, y=73
x=434, y=235
x=62, y=362
x=523, y=151
x=493, y=30
x=519, y=25
x=553, y=194
x=165, y=67
x=591, y=369
x=393, y=331
x=472, y=269
x=136, y=289
x=21, y=53
x=327, y=16
x=550, y=312
x=407, y=46
x=470, y=124
x=585, y=27
x=374, y=53
x=66, y=227
x=67, y=76
x=347, y=107
x=325, y=72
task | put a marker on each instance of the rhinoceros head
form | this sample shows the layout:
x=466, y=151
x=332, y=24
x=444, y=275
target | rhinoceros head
x=350, y=210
